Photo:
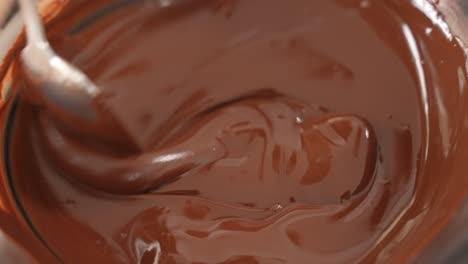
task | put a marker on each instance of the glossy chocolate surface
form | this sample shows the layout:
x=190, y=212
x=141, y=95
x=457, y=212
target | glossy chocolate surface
x=281, y=132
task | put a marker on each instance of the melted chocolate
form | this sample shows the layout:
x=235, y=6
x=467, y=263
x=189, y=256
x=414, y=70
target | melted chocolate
x=282, y=132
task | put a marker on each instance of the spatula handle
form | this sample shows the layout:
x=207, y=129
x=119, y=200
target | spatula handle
x=34, y=27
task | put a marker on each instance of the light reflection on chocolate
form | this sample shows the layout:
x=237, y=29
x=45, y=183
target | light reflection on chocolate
x=283, y=132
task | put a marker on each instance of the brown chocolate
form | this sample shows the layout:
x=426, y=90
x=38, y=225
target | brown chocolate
x=284, y=132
